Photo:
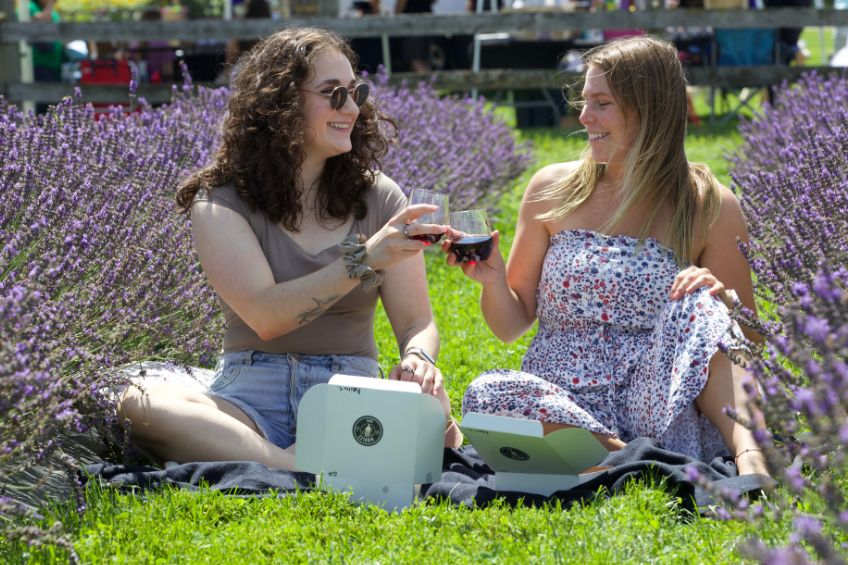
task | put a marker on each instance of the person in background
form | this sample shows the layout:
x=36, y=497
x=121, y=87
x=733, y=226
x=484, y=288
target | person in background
x=158, y=54
x=788, y=47
x=47, y=57
x=369, y=50
x=471, y=6
x=415, y=50
x=622, y=256
x=366, y=7
x=299, y=234
x=236, y=47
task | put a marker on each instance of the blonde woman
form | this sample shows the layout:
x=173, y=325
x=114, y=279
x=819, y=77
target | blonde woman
x=621, y=256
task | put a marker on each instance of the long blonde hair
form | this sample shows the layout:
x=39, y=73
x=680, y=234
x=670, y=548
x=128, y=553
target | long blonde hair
x=646, y=79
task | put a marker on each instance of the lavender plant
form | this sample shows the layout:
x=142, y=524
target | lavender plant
x=449, y=144
x=97, y=269
x=793, y=174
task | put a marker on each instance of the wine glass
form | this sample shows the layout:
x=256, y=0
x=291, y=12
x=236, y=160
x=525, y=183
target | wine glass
x=471, y=239
x=440, y=216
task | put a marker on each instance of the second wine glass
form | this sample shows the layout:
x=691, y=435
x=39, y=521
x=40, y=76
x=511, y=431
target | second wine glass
x=440, y=216
x=471, y=239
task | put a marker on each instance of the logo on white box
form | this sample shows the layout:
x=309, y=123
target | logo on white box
x=514, y=454
x=367, y=431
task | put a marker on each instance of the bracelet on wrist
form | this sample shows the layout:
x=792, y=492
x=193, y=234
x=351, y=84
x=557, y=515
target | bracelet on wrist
x=749, y=450
x=353, y=253
x=421, y=354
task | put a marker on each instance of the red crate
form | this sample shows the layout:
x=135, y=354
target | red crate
x=106, y=71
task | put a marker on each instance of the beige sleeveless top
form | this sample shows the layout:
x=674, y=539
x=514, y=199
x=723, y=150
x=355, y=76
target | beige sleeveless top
x=347, y=327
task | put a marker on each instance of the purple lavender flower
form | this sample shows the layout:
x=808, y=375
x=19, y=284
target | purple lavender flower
x=692, y=474
x=792, y=175
x=449, y=144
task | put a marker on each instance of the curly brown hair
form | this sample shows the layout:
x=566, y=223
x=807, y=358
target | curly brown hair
x=261, y=153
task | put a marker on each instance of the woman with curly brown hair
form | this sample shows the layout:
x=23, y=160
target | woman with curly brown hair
x=298, y=234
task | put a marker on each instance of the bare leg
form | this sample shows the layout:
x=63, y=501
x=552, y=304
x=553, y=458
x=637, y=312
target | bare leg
x=609, y=442
x=181, y=425
x=724, y=388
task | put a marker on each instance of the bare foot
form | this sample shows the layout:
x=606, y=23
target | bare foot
x=453, y=435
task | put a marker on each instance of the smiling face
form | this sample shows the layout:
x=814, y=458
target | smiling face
x=327, y=130
x=612, y=132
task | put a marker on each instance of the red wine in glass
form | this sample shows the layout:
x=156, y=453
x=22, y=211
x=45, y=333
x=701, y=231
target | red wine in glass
x=472, y=248
x=428, y=238
x=472, y=241
x=440, y=216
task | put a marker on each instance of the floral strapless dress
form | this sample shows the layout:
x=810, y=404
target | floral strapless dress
x=613, y=354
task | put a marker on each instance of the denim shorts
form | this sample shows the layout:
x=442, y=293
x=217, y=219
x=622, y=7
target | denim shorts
x=268, y=387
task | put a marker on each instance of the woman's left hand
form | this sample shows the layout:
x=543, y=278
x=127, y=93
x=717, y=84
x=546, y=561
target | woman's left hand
x=428, y=376
x=692, y=278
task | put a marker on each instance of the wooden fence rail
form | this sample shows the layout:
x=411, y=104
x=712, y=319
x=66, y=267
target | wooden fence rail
x=425, y=24
x=11, y=33
x=461, y=80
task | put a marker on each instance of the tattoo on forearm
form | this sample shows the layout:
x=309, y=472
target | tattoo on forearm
x=321, y=305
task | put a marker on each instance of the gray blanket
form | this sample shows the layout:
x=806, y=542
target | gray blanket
x=466, y=479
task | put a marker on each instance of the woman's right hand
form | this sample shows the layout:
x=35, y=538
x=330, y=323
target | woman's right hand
x=486, y=272
x=391, y=245
x=693, y=277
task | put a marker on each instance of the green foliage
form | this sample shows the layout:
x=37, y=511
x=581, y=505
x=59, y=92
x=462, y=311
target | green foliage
x=85, y=10
x=820, y=43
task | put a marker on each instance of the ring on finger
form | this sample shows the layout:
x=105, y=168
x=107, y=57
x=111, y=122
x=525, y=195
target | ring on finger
x=405, y=230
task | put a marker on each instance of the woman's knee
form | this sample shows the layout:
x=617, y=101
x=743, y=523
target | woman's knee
x=130, y=403
x=141, y=404
x=475, y=392
x=482, y=392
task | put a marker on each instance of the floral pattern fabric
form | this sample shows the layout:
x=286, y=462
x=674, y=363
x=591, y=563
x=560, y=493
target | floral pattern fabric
x=613, y=354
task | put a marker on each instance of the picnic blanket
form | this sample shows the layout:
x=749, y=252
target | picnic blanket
x=466, y=479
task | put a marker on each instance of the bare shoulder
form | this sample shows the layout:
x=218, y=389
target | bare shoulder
x=730, y=217
x=548, y=175
x=721, y=254
x=534, y=197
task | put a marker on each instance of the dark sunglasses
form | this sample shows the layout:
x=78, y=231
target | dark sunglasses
x=338, y=95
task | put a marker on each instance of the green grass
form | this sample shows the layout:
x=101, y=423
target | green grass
x=646, y=524
x=819, y=42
